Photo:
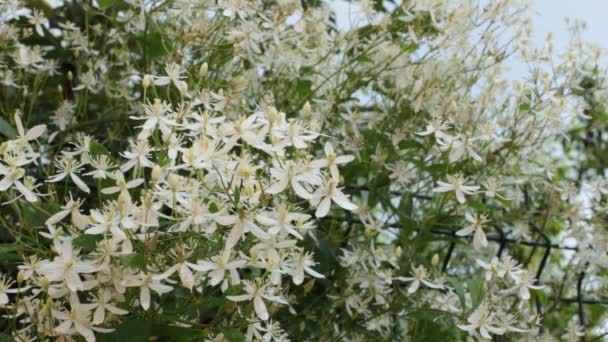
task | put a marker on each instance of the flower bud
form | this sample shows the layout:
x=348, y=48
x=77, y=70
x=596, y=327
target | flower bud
x=435, y=260
x=202, y=72
x=173, y=181
x=20, y=277
x=306, y=111
x=182, y=86
x=157, y=173
x=70, y=75
x=123, y=199
x=147, y=81
x=273, y=114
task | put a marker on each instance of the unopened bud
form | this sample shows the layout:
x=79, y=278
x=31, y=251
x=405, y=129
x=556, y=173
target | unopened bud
x=182, y=86
x=157, y=173
x=273, y=114
x=123, y=199
x=70, y=75
x=147, y=81
x=202, y=72
x=435, y=260
x=173, y=181
x=20, y=277
x=306, y=110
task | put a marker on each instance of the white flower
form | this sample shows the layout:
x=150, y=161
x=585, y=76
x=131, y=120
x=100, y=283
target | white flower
x=290, y=173
x=302, y=262
x=217, y=267
x=101, y=165
x=70, y=207
x=281, y=220
x=156, y=115
x=332, y=161
x=103, y=304
x=121, y=184
x=147, y=282
x=39, y=21
x=240, y=225
x=5, y=284
x=482, y=319
x=420, y=277
x=524, y=283
x=174, y=74
x=66, y=266
x=13, y=176
x=435, y=126
x=77, y=320
x=458, y=146
x=328, y=192
x=23, y=138
x=476, y=226
x=68, y=166
x=257, y=293
x=456, y=184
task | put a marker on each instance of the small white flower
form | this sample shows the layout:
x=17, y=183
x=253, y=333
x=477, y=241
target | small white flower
x=457, y=185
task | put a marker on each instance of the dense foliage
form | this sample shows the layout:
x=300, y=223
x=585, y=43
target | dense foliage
x=239, y=170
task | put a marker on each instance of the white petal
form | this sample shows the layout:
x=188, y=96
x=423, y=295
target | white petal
x=144, y=298
x=35, y=132
x=343, y=201
x=323, y=208
x=479, y=239
x=260, y=308
x=29, y=195
x=79, y=183
x=57, y=217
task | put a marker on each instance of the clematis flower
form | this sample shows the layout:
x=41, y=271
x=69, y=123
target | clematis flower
x=217, y=267
x=67, y=166
x=66, y=266
x=476, y=226
x=457, y=185
x=420, y=276
x=257, y=293
x=327, y=193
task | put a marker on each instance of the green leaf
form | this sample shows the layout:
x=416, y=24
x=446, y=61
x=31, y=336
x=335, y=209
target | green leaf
x=36, y=215
x=233, y=335
x=9, y=252
x=475, y=287
x=87, y=243
x=105, y=4
x=6, y=129
x=179, y=334
x=134, y=330
x=460, y=291
x=96, y=149
x=303, y=88
x=155, y=45
x=135, y=260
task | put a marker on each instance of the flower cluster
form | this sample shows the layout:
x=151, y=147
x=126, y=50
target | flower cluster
x=264, y=171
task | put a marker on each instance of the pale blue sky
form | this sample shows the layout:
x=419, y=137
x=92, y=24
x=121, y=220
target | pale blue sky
x=548, y=16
